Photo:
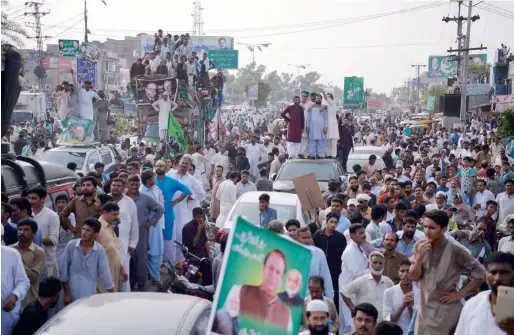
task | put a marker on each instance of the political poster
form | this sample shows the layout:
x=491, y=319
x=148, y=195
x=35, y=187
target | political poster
x=77, y=131
x=147, y=42
x=69, y=48
x=253, y=90
x=262, y=285
x=225, y=59
x=86, y=70
x=446, y=66
x=151, y=87
x=206, y=44
x=89, y=52
x=353, y=92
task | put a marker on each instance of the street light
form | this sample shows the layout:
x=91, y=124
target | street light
x=252, y=47
x=298, y=67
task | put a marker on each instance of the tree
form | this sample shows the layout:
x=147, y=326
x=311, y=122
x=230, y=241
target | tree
x=435, y=90
x=506, y=123
x=12, y=31
x=479, y=71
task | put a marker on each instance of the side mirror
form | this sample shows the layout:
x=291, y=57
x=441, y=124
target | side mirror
x=91, y=167
x=273, y=176
x=342, y=179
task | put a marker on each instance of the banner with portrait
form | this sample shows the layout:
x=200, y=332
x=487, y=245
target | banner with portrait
x=77, y=131
x=89, y=52
x=204, y=44
x=257, y=260
x=150, y=88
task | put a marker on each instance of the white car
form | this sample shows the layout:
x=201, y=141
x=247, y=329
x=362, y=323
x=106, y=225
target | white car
x=369, y=150
x=132, y=313
x=287, y=205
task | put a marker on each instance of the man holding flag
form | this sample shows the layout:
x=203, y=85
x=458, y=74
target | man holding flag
x=164, y=106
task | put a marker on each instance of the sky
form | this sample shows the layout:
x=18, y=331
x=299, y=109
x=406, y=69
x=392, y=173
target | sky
x=337, y=38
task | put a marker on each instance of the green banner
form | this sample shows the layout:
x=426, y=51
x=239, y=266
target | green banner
x=77, y=131
x=262, y=285
x=446, y=66
x=225, y=59
x=353, y=92
x=69, y=48
x=89, y=52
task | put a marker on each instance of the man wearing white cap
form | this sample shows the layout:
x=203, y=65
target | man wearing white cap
x=317, y=318
x=164, y=106
x=365, y=210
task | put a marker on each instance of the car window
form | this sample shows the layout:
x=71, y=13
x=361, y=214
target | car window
x=250, y=211
x=323, y=172
x=106, y=156
x=93, y=159
x=62, y=158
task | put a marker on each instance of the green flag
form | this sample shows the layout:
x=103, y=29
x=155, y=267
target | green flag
x=175, y=130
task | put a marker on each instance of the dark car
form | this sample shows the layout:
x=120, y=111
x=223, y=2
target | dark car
x=324, y=169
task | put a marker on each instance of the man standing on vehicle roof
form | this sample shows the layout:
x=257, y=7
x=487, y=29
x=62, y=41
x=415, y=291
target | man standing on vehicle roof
x=295, y=119
x=306, y=103
x=317, y=128
x=333, y=131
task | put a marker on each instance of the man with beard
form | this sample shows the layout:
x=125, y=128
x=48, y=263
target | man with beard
x=317, y=290
x=477, y=316
x=293, y=285
x=369, y=287
x=242, y=162
x=149, y=212
x=306, y=104
x=36, y=313
x=317, y=128
x=169, y=186
x=407, y=237
x=354, y=188
x=401, y=300
x=392, y=257
x=317, y=316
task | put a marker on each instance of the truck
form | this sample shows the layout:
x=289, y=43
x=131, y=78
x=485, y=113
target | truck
x=30, y=107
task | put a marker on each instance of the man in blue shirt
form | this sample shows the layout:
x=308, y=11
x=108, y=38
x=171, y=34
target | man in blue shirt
x=266, y=213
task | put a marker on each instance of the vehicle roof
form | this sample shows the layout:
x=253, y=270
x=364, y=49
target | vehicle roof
x=368, y=148
x=277, y=198
x=356, y=155
x=122, y=313
x=311, y=161
x=71, y=148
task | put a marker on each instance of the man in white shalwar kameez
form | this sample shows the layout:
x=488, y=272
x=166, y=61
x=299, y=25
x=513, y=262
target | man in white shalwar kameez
x=333, y=130
x=227, y=196
x=354, y=265
x=306, y=103
x=201, y=162
x=184, y=209
x=86, y=96
x=164, y=106
x=254, y=152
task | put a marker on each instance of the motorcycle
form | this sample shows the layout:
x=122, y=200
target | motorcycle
x=186, y=277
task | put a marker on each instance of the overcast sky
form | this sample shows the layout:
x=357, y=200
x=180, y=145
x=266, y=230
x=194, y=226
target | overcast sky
x=337, y=38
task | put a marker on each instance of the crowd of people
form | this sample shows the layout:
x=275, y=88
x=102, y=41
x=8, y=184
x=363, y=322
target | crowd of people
x=398, y=249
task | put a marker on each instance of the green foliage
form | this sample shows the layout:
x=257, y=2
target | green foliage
x=506, y=123
x=479, y=69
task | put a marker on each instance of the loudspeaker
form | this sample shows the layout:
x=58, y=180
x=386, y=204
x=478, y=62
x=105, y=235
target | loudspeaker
x=449, y=104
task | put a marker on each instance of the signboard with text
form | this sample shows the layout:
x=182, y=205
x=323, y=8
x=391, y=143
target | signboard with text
x=253, y=90
x=68, y=48
x=353, y=92
x=86, y=71
x=225, y=59
x=431, y=103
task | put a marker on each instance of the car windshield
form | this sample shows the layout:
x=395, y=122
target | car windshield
x=250, y=212
x=323, y=172
x=363, y=161
x=62, y=158
x=21, y=116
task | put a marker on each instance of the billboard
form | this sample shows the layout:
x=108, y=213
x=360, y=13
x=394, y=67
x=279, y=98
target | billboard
x=69, y=48
x=203, y=44
x=446, y=66
x=225, y=59
x=147, y=42
x=89, y=52
x=253, y=90
x=86, y=71
x=353, y=92
x=150, y=90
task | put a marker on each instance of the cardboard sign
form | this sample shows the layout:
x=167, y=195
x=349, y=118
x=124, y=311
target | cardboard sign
x=253, y=257
x=308, y=192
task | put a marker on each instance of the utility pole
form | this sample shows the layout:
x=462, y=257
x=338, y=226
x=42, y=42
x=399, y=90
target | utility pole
x=463, y=79
x=197, y=18
x=85, y=22
x=407, y=86
x=459, y=19
x=419, y=81
x=37, y=13
x=252, y=47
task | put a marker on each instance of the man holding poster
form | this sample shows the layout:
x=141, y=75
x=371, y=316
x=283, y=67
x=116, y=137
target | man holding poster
x=253, y=276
